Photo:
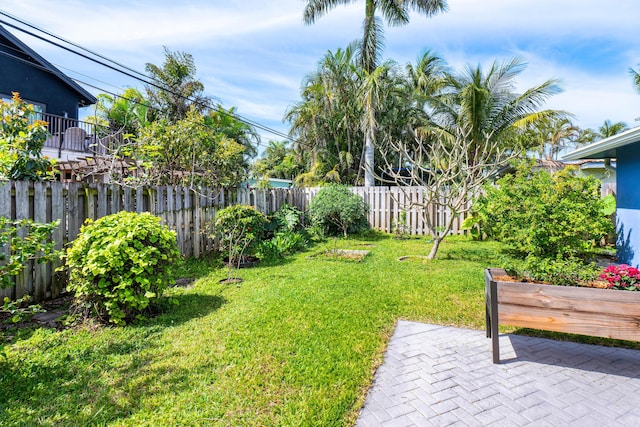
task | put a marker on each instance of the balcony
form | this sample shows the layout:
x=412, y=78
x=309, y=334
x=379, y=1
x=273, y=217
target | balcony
x=70, y=139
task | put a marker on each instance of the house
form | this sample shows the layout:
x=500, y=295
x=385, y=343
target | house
x=625, y=148
x=55, y=96
x=271, y=183
x=603, y=170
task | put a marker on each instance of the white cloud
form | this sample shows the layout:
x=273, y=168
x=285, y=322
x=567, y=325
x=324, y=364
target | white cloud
x=254, y=54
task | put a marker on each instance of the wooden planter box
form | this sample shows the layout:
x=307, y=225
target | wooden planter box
x=595, y=312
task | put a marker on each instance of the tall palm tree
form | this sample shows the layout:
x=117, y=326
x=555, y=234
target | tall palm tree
x=396, y=13
x=326, y=123
x=474, y=124
x=175, y=88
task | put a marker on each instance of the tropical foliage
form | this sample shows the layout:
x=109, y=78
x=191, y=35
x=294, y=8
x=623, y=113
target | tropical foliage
x=174, y=134
x=369, y=49
x=21, y=140
x=552, y=222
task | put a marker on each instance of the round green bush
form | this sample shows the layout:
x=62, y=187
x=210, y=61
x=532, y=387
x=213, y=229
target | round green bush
x=560, y=215
x=335, y=209
x=120, y=263
x=240, y=230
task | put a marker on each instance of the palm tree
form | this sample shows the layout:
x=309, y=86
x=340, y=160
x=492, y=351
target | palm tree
x=175, y=88
x=636, y=79
x=326, y=122
x=557, y=134
x=474, y=122
x=484, y=108
x=396, y=13
x=609, y=129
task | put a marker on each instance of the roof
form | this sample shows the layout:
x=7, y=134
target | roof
x=85, y=97
x=605, y=148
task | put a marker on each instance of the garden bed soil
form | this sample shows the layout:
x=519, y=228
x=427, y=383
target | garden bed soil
x=353, y=255
x=231, y=281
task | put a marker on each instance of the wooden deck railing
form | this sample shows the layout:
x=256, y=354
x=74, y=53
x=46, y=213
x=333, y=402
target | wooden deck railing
x=72, y=135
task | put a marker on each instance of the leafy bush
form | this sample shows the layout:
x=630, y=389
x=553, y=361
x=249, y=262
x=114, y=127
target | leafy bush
x=28, y=240
x=120, y=263
x=546, y=216
x=286, y=233
x=336, y=210
x=240, y=230
x=283, y=243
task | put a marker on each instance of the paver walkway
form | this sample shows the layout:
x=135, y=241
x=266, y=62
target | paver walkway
x=438, y=375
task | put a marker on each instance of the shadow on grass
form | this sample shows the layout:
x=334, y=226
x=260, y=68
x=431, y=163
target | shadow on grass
x=477, y=253
x=96, y=377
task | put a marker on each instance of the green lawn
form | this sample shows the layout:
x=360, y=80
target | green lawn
x=296, y=343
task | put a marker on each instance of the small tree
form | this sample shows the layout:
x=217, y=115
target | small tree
x=336, y=209
x=26, y=241
x=240, y=229
x=472, y=133
x=21, y=142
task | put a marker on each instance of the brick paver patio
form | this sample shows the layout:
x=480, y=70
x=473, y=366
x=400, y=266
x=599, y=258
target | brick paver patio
x=438, y=376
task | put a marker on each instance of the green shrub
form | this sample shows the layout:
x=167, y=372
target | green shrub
x=28, y=240
x=285, y=233
x=283, y=243
x=240, y=230
x=551, y=216
x=120, y=263
x=336, y=210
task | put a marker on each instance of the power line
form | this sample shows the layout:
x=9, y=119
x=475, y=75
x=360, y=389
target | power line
x=143, y=80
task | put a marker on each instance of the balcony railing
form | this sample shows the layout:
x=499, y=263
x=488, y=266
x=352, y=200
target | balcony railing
x=75, y=137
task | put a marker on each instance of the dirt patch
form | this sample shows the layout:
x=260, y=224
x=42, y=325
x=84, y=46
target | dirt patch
x=231, y=281
x=353, y=255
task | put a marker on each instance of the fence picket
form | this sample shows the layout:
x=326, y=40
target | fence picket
x=41, y=271
x=189, y=213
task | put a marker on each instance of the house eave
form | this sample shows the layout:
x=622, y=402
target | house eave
x=606, y=148
x=86, y=98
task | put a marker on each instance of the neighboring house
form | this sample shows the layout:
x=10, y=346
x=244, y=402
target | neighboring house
x=625, y=148
x=55, y=96
x=601, y=169
x=273, y=183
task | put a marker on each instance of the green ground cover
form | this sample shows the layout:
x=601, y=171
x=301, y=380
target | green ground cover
x=296, y=343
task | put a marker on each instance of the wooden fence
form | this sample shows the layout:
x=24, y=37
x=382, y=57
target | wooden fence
x=187, y=212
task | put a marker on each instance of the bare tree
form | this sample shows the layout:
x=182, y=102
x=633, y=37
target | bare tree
x=472, y=134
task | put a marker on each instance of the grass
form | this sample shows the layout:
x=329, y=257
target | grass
x=295, y=344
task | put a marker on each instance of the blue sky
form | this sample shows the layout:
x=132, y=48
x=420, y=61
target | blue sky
x=253, y=54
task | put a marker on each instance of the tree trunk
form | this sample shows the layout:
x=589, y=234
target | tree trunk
x=434, y=248
x=369, y=179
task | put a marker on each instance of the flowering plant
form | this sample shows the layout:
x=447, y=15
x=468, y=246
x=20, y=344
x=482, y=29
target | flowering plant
x=622, y=277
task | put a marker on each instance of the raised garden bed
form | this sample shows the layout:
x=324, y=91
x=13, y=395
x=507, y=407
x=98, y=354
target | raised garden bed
x=588, y=311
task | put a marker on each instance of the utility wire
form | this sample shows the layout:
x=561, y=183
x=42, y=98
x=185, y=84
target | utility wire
x=129, y=74
x=151, y=107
